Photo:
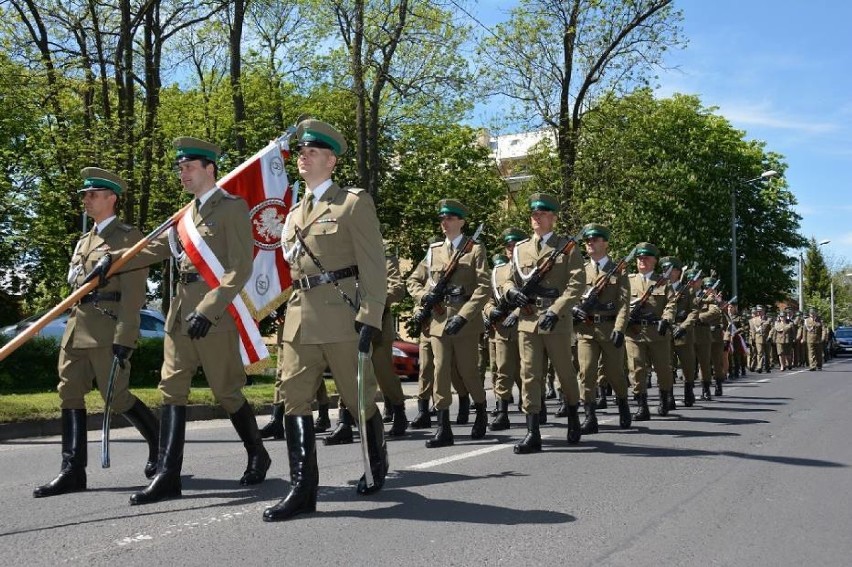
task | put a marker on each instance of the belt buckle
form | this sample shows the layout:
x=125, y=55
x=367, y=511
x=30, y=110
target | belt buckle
x=305, y=282
x=596, y=318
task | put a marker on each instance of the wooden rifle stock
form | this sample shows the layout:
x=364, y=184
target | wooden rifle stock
x=83, y=290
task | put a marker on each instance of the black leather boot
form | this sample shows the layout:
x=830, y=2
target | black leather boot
x=342, y=434
x=663, y=406
x=718, y=391
x=551, y=391
x=142, y=418
x=625, y=420
x=562, y=410
x=323, y=422
x=649, y=383
x=166, y=483
x=542, y=413
x=601, y=402
x=642, y=411
x=275, y=427
x=72, y=475
x=258, y=459
x=480, y=421
x=532, y=442
x=444, y=435
x=705, y=391
x=671, y=400
x=590, y=424
x=400, y=421
x=377, y=452
x=387, y=414
x=501, y=420
x=463, y=417
x=304, y=473
x=423, y=419
x=688, y=394
x=574, y=431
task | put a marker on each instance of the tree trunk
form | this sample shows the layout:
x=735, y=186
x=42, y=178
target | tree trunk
x=235, y=45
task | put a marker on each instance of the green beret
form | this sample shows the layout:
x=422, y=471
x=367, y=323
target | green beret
x=647, y=249
x=812, y=309
x=189, y=149
x=512, y=234
x=667, y=261
x=593, y=229
x=313, y=133
x=499, y=260
x=708, y=282
x=690, y=274
x=95, y=178
x=759, y=307
x=544, y=202
x=451, y=207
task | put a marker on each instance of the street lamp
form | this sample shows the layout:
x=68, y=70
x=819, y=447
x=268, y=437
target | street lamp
x=769, y=174
x=802, y=277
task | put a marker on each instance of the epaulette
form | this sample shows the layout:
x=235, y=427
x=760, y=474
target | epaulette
x=354, y=190
x=230, y=195
x=434, y=244
x=125, y=227
x=522, y=241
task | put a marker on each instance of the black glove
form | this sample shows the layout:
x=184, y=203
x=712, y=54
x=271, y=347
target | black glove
x=121, y=352
x=365, y=336
x=454, y=325
x=516, y=298
x=579, y=314
x=510, y=321
x=617, y=338
x=678, y=332
x=548, y=321
x=199, y=325
x=100, y=270
x=663, y=326
x=496, y=314
x=413, y=327
x=431, y=298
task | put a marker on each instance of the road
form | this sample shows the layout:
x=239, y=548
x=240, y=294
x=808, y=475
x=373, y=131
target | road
x=759, y=476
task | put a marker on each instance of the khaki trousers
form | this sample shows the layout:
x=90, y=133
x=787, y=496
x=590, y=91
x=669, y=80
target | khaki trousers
x=79, y=367
x=595, y=351
x=534, y=347
x=644, y=355
x=462, y=354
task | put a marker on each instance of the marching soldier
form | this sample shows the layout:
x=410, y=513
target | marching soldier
x=545, y=325
x=200, y=330
x=600, y=323
x=275, y=426
x=456, y=323
x=812, y=337
x=759, y=329
x=339, y=275
x=103, y=326
x=647, y=344
x=710, y=319
x=683, y=332
x=505, y=324
x=737, y=336
x=784, y=337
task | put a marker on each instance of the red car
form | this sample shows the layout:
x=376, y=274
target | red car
x=406, y=359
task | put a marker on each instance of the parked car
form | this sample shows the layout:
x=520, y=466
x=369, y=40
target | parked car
x=151, y=325
x=406, y=359
x=843, y=339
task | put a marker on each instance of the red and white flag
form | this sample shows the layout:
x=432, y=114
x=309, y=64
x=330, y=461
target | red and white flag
x=262, y=182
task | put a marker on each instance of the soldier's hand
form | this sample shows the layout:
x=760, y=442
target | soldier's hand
x=365, y=336
x=678, y=332
x=454, y=325
x=663, y=326
x=516, y=298
x=496, y=314
x=100, y=270
x=199, y=325
x=430, y=298
x=548, y=321
x=413, y=327
x=617, y=338
x=579, y=314
x=510, y=321
x=121, y=352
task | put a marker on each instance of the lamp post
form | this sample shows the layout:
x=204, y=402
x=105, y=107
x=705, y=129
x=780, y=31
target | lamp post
x=762, y=177
x=802, y=279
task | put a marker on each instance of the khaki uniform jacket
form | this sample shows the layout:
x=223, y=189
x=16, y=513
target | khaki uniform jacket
x=686, y=314
x=498, y=275
x=342, y=231
x=614, y=298
x=812, y=330
x=223, y=222
x=567, y=277
x=87, y=326
x=759, y=329
x=470, y=278
x=660, y=305
x=784, y=332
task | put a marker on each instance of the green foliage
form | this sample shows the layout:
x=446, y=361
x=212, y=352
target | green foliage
x=817, y=278
x=31, y=368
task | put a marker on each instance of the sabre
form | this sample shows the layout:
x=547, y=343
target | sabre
x=107, y=413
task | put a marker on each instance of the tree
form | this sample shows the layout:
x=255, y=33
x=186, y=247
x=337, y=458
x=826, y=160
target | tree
x=555, y=58
x=816, y=275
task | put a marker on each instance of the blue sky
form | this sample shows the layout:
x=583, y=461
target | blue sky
x=781, y=70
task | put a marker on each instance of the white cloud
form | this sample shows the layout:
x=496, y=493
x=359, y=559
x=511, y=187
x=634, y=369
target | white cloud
x=761, y=114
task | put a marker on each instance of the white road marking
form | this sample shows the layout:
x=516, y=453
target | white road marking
x=462, y=456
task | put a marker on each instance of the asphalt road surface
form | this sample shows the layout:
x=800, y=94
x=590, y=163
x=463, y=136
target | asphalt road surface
x=759, y=476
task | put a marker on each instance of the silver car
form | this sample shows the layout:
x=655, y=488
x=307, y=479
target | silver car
x=151, y=325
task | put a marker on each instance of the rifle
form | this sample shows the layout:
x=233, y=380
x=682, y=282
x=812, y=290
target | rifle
x=680, y=291
x=591, y=295
x=414, y=326
x=637, y=305
x=530, y=287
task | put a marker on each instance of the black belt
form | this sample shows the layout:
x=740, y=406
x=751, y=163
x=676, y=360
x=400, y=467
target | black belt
x=601, y=318
x=307, y=282
x=544, y=301
x=456, y=298
x=645, y=323
x=96, y=297
x=189, y=277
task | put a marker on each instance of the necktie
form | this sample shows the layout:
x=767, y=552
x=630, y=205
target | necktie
x=309, y=202
x=537, y=240
x=597, y=269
